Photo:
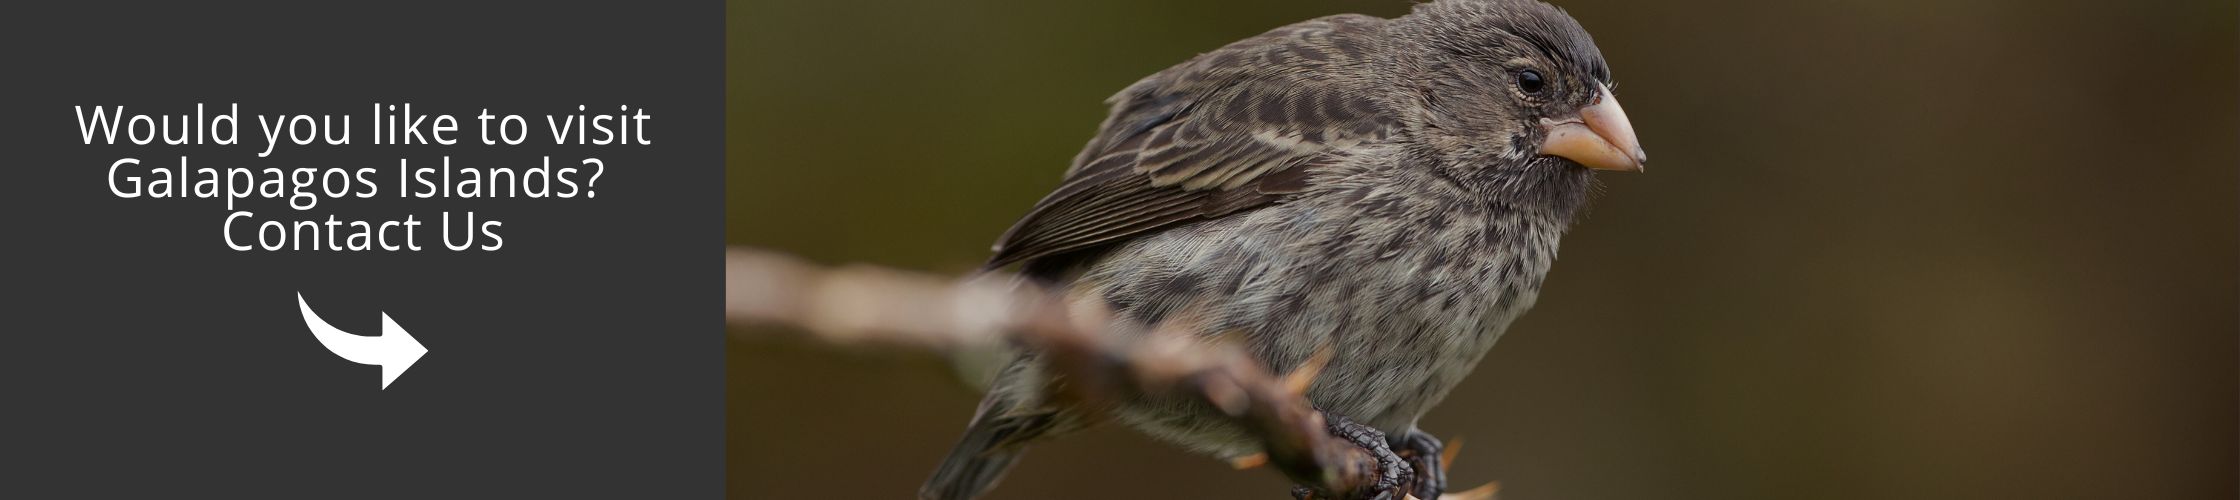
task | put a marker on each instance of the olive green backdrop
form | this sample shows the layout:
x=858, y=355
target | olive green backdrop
x=1886, y=249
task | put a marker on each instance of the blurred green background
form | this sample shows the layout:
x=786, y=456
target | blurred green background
x=1887, y=249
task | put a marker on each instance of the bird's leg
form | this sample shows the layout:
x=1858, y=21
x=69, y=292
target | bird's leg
x=1393, y=472
x=1424, y=452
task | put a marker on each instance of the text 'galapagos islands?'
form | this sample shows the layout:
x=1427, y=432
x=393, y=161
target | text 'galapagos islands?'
x=427, y=173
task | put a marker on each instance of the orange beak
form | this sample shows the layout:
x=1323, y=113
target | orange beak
x=1600, y=137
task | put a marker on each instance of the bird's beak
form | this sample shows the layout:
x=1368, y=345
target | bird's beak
x=1600, y=137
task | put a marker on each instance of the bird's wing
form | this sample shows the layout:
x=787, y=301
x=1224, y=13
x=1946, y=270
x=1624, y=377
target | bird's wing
x=1230, y=130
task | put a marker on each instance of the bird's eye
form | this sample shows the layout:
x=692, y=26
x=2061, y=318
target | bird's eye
x=1530, y=82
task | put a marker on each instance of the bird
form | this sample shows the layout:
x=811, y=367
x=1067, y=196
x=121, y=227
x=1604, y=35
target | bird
x=1392, y=190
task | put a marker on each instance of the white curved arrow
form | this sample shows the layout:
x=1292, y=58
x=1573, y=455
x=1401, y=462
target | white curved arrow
x=394, y=350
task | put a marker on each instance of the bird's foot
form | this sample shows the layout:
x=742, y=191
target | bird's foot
x=1426, y=454
x=1393, y=473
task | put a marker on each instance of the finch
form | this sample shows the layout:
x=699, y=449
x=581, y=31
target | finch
x=1390, y=189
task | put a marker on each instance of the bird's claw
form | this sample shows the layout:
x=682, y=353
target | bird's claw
x=1423, y=452
x=1394, y=473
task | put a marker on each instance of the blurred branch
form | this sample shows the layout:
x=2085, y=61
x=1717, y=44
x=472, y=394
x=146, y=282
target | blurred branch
x=862, y=304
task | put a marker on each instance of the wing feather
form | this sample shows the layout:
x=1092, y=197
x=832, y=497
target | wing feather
x=1231, y=130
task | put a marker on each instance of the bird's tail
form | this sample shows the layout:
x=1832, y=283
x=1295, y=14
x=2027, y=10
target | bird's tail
x=993, y=442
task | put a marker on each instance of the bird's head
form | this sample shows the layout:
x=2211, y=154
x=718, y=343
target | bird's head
x=1510, y=84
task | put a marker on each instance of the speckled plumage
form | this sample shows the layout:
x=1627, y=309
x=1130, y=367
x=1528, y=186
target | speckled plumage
x=1409, y=277
x=1365, y=184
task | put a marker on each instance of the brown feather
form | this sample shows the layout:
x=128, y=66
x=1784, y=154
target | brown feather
x=1229, y=131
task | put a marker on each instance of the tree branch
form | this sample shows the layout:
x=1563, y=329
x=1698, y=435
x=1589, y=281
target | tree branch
x=862, y=304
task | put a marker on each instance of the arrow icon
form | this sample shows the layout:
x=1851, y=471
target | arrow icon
x=394, y=350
